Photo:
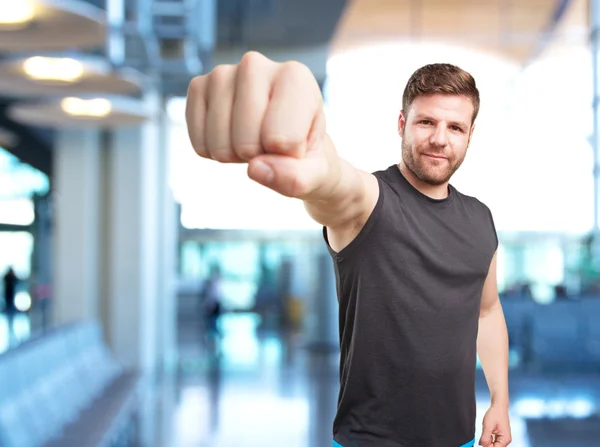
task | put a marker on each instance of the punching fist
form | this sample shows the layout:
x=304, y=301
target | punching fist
x=267, y=114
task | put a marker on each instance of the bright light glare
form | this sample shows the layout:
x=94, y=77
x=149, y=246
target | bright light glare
x=53, y=69
x=96, y=108
x=536, y=408
x=221, y=196
x=16, y=211
x=23, y=301
x=176, y=110
x=15, y=13
x=514, y=161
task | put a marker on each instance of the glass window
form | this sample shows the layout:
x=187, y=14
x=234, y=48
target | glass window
x=18, y=180
x=19, y=211
x=17, y=247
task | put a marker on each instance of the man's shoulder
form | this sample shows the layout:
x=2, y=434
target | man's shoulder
x=478, y=210
x=385, y=172
x=472, y=201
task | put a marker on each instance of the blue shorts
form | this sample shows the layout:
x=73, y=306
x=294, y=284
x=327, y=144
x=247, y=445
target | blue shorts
x=471, y=443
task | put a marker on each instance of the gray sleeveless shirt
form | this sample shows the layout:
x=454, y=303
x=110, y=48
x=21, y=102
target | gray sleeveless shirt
x=409, y=289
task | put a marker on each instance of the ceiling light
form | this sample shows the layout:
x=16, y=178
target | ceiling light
x=92, y=108
x=15, y=14
x=53, y=69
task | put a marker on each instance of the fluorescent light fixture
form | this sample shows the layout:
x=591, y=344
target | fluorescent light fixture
x=93, y=108
x=15, y=14
x=53, y=69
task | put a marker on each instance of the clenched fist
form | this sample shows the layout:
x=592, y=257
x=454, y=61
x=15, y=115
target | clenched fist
x=269, y=115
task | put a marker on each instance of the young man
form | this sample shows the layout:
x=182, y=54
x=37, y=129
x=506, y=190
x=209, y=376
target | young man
x=415, y=259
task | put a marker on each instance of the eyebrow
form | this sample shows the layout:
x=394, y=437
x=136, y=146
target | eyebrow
x=455, y=123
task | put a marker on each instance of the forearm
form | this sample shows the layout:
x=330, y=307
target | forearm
x=341, y=196
x=492, y=347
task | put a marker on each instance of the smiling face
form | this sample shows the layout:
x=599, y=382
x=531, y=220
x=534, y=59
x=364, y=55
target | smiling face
x=436, y=133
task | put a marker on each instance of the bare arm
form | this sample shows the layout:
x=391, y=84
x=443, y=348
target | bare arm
x=344, y=202
x=345, y=195
x=492, y=340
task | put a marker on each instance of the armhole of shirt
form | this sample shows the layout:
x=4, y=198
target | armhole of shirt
x=491, y=217
x=365, y=230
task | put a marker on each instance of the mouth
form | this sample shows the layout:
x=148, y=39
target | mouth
x=435, y=157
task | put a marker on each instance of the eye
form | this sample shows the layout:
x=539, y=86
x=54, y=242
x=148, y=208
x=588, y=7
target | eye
x=456, y=128
x=426, y=122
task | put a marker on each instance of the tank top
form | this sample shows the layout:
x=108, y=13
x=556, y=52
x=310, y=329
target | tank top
x=409, y=290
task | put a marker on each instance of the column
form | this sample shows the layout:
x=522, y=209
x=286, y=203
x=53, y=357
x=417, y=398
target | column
x=115, y=233
x=41, y=260
x=168, y=219
x=133, y=245
x=141, y=245
x=76, y=225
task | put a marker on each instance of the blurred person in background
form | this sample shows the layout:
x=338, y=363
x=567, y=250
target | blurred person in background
x=11, y=281
x=212, y=307
x=415, y=259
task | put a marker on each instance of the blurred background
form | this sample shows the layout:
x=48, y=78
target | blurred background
x=154, y=299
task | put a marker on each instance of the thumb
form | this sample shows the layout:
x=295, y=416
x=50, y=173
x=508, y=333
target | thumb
x=289, y=176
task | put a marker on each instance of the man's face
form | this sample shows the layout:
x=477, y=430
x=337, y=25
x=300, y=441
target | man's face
x=435, y=136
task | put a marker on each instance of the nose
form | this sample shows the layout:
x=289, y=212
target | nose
x=439, y=136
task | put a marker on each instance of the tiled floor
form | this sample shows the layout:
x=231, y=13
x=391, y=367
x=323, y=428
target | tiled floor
x=270, y=392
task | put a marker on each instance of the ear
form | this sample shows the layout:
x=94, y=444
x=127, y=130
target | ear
x=401, y=123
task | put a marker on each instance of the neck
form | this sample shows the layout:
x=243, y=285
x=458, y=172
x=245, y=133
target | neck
x=437, y=192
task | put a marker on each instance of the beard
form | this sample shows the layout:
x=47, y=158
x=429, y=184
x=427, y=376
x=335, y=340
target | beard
x=431, y=172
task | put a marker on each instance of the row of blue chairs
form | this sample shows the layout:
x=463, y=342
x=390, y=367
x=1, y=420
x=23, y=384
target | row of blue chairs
x=561, y=335
x=65, y=389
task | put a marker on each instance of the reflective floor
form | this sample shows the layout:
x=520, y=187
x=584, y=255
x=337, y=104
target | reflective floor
x=264, y=389
x=270, y=391
x=15, y=331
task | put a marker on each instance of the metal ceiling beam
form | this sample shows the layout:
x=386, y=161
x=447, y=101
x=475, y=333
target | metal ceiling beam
x=545, y=37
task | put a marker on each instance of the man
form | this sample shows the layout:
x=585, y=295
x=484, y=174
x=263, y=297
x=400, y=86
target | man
x=211, y=303
x=415, y=259
x=10, y=280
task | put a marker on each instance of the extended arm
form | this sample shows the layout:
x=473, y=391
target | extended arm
x=344, y=202
x=270, y=115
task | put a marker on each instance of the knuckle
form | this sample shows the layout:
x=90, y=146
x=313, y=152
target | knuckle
x=196, y=86
x=296, y=69
x=251, y=58
x=255, y=64
x=221, y=73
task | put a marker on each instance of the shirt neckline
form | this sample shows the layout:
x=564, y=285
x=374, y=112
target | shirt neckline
x=423, y=197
